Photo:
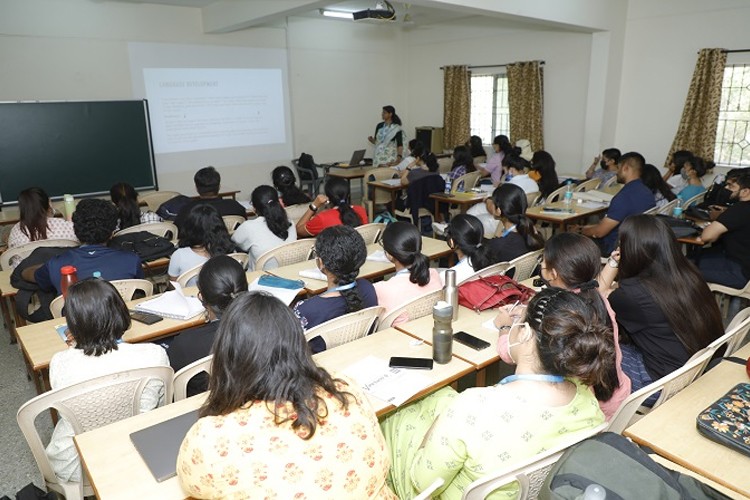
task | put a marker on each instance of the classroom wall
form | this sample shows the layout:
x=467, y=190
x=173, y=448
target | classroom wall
x=661, y=44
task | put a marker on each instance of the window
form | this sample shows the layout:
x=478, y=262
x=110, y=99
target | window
x=733, y=132
x=489, y=106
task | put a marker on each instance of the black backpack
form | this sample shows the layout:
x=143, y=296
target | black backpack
x=170, y=208
x=27, y=290
x=680, y=227
x=148, y=246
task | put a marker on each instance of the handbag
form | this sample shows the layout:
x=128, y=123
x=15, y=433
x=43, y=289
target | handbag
x=491, y=292
x=727, y=421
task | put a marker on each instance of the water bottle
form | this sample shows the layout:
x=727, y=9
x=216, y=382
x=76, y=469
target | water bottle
x=451, y=291
x=677, y=210
x=568, y=198
x=70, y=206
x=68, y=276
x=594, y=492
x=448, y=184
x=442, y=333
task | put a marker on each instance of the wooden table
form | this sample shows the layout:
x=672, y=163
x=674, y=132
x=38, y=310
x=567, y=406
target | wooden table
x=351, y=173
x=671, y=432
x=393, y=189
x=116, y=470
x=463, y=200
x=563, y=218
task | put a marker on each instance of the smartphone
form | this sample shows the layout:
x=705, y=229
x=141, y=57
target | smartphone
x=470, y=341
x=538, y=283
x=552, y=209
x=146, y=318
x=414, y=363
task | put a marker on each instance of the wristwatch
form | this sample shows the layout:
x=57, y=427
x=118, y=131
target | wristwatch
x=312, y=207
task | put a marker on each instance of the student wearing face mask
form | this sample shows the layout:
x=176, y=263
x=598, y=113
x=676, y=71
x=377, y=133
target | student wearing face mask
x=607, y=161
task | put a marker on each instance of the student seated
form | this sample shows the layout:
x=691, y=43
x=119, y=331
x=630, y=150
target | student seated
x=560, y=350
x=207, y=184
x=125, y=198
x=341, y=210
x=270, y=229
x=37, y=221
x=463, y=163
x=465, y=236
x=340, y=252
x=692, y=172
x=607, y=163
x=220, y=280
x=275, y=425
x=653, y=180
x=94, y=222
x=402, y=245
x=203, y=235
x=517, y=171
x=476, y=149
x=423, y=164
x=544, y=173
x=286, y=184
x=516, y=234
x=97, y=318
x=673, y=174
x=661, y=302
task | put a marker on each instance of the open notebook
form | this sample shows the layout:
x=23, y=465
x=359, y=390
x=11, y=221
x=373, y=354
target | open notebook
x=173, y=304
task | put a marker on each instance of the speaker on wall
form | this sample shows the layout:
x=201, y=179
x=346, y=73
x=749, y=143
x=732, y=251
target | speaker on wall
x=431, y=137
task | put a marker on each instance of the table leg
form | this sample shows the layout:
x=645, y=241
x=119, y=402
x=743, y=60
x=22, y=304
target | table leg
x=8, y=319
x=481, y=377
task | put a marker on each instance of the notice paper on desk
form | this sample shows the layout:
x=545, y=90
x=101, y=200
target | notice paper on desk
x=393, y=385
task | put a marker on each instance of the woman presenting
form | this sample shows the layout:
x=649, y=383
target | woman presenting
x=388, y=140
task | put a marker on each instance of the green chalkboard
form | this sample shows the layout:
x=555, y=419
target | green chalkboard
x=81, y=148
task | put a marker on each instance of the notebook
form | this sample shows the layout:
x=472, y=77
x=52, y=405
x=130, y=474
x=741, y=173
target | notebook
x=173, y=304
x=357, y=157
x=159, y=444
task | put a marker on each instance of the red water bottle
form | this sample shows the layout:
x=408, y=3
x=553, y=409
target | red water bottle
x=68, y=276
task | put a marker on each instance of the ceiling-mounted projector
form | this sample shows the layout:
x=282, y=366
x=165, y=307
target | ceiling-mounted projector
x=383, y=11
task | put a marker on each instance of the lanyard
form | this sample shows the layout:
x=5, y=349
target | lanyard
x=348, y=286
x=508, y=231
x=557, y=379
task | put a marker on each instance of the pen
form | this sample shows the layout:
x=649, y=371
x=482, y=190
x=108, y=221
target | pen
x=513, y=307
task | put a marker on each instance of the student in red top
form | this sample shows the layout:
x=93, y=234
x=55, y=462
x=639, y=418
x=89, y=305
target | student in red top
x=340, y=210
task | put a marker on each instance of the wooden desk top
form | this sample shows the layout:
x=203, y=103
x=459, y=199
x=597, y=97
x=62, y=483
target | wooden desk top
x=116, y=470
x=671, y=432
x=469, y=198
x=386, y=186
x=578, y=211
x=350, y=173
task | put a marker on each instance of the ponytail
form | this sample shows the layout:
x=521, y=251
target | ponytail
x=337, y=191
x=403, y=242
x=419, y=272
x=266, y=203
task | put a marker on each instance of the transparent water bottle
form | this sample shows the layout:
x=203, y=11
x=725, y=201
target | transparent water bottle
x=442, y=333
x=568, y=198
x=448, y=184
x=70, y=206
x=677, y=210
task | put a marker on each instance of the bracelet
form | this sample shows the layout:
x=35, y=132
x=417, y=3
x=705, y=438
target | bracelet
x=312, y=207
x=612, y=263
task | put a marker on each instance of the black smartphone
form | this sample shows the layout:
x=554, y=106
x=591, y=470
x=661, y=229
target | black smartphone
x=551, y=209
x=146, y=318
x=414, y=363
x=539, y=283
x=470, y=341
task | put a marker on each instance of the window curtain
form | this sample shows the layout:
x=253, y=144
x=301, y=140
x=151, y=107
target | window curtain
x=700, y=116
x=456, y=106
x=526, y=102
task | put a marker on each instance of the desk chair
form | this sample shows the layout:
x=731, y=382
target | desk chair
x=233, y=222
x=736, y=333
x=240, y=257
x=81, y=405
x=693, y=199
x=667, y=208
x=469, y=180
x=530, y=473
x=731, y=307
x=608, y=183
x=295, y=212
x=24, y=251
x=415, y=308
x=155, y=199
x=373, y=197
x=126, y=289
x=288, y=253
x=185, y=374
x=494, y=269
x=308, y=173
x=164, y=229
x=556, y=194
x=589, y=185
x=371, y=232
x=525, y=265
x=346, y=328
x=533, y=198
x=188, y=275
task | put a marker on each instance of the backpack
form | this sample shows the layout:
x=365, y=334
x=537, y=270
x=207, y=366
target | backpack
x=622, y=469
x=170, y=208
x=28, y=291
x=148, y=246
x=681, y=228
x=493, y=291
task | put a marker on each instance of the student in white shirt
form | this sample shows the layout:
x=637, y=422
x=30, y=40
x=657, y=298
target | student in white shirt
x=517, y=168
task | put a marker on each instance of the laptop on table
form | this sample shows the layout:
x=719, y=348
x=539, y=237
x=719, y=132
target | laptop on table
x=357, y=157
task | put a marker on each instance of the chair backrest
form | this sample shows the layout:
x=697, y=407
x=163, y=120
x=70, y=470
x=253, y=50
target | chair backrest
x=371, y=232
x=188, y=275
x=83, y=406
x=651, y=211
x=346, y=328
x=24, y=251
x=415, y=308
x=532, y=198
x=693, y=199
x=608, y=183
x=736, y=333
x=127, y=288
x=233, y=222
x=295, y=212
x=669, y=385
x=155, y=199
x=499, y=268
x=588, y=185
x=665, y=209
x=288, y=253
x=56, y=306
x=530, y=473
x=445, y=164
x=379, y=196
x=469, y=179
x=186, y=373
x=556, y=194
x=164, y=229
x=525, y=265
x=240, y=257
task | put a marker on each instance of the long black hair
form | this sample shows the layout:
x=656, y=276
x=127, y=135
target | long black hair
x=503, y=143
x=337, y=191
x=466, y=233
x=96, y=315
x=475, y=146
x=261, y=358
x=125, y=198
x=342, y=251
x=512, y=202
x=403, y=241
x=266, y=204
x=33, y=207
x=285, y=182
x=656, y=183
x=543, y=163
x=220, y=280
x=462, y=156
x=204, y=227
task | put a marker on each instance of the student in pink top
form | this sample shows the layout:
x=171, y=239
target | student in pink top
x=402, y=244
x=571, y=261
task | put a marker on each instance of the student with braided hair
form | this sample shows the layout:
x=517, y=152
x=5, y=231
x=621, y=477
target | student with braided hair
x=341, y=210
x=516, y=234
x=340, y=251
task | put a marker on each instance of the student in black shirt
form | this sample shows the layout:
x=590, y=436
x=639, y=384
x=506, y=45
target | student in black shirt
x=207, y=183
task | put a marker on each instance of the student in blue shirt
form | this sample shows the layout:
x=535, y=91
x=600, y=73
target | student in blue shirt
x=693, y=171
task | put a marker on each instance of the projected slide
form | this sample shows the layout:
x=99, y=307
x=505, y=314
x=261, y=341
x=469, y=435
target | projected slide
x=209, y=108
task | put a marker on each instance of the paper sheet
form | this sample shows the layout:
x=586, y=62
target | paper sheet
x=285, y=295
x=393, y=385
x=378, y=256
x=392, y=182
x=313, y=273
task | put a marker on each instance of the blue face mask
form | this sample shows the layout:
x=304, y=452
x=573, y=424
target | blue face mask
x=508, y=177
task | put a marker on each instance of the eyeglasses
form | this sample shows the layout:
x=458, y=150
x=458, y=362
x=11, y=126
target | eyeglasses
x=313, y=253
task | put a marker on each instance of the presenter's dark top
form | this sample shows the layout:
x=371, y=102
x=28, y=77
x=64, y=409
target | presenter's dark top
x=224, y=206
x=634, y=198
x=87, y=259
x=736, y=241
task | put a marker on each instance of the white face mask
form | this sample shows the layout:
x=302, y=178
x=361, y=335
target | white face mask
x=505, y=354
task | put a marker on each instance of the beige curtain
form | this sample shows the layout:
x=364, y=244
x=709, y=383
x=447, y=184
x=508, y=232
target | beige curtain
x=526, y=102
x=456, y=106
x=700, y=116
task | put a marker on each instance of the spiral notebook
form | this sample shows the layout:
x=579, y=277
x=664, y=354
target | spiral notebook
x=173, y=304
